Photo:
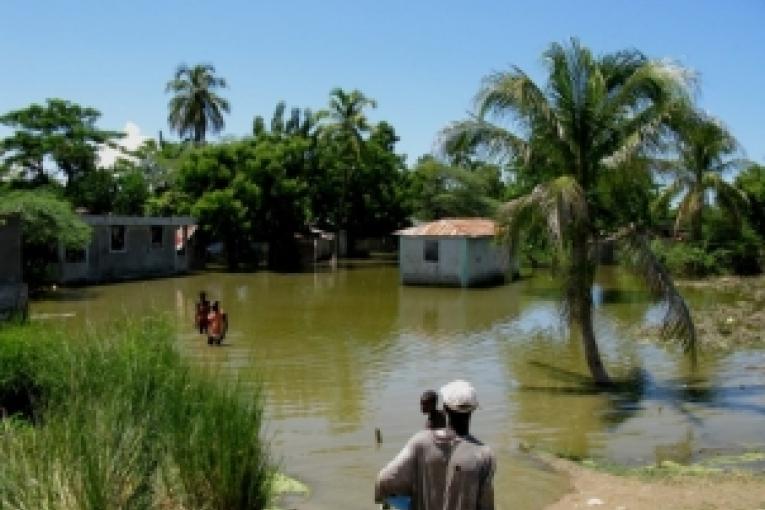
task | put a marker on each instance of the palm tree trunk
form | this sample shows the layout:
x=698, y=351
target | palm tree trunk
x=580, y=302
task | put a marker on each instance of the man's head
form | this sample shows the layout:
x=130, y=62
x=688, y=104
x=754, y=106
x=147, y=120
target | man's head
x=460, y=400
x=203, y=296
x=428, y=401
x=216, y=306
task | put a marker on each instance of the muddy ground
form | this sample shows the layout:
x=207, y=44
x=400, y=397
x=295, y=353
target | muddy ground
x=739, y=320
x=599, y=490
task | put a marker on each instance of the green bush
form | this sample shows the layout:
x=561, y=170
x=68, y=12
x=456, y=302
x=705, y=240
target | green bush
x=115, y=419
x=687, y=259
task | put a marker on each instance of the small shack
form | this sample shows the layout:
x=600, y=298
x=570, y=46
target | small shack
x=128, y=247
x=13, y=291
x=452, y=251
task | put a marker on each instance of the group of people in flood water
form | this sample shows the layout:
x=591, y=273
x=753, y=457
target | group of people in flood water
x=210, y=320
x=444, y=466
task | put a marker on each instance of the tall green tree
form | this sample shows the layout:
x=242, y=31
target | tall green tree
x=344, y=125
x=593, y=114
x=195, y=108
x=706, y=150
x=57, y=139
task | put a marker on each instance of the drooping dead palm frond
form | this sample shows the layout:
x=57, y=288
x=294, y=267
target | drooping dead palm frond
x=561, y=202
x=677, y=323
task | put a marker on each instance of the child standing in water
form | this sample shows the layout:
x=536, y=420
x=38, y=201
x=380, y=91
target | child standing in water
x=217, y=324
x=202, y=311
x=429, y=406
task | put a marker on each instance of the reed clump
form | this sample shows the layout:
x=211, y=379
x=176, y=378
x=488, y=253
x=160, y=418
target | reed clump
x=115, y=419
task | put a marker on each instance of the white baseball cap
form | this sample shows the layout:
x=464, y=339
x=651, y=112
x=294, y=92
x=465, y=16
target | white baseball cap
x=459, y=396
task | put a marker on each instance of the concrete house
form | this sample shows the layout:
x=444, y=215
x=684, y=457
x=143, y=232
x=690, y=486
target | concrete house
x=13, y=291
x=452, y=251
x=128, y=247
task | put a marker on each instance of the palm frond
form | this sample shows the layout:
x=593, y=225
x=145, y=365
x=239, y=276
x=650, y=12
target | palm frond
x=677, y=323
x=562, y=202
x=666, y=195
x=512, y=93
x=729, y=197
x=491, y=140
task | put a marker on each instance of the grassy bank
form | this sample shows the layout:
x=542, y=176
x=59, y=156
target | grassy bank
x=115, y=419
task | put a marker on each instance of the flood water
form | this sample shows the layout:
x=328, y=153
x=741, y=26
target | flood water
x=340, y=353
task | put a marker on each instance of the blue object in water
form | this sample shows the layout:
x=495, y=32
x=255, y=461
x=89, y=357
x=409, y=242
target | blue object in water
x=399, y=502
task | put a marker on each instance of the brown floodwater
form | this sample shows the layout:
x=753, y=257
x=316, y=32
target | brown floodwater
x=341, y=353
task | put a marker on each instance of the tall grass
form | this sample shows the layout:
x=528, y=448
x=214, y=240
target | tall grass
x=114, y=419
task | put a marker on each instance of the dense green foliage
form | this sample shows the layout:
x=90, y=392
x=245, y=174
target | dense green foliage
x=440, y=190
x=323, y=170
x=752, y=182
x=58, y=139
x=46, y=220
x=115, y=419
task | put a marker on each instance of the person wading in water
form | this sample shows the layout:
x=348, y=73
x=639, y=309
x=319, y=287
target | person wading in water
x=202, y=311
x=217, y=324
x=444, y=469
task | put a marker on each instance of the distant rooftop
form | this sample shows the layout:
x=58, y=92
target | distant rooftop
x=459, y=227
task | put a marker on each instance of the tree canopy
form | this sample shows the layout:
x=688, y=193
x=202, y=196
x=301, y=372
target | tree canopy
x=57, y=139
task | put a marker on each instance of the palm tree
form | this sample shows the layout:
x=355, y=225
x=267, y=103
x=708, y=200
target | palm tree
x=706, y=149
x=345, y=116
x=301, y=122
x=345, y=123
x=195, y=108
x=594, y=115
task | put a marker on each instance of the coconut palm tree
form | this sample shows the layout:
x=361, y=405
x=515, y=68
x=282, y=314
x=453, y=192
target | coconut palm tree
x=706, y=150
x=195, y=108
x=594, y=115
x=345, y=123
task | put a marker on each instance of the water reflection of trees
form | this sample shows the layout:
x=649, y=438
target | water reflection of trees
x=557, y=405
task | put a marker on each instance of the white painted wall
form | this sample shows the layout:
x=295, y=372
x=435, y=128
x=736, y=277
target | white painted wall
x=461, y=262
x=414, y=269
x=487, y=260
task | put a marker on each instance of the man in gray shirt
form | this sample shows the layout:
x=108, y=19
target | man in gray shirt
x=444, y=469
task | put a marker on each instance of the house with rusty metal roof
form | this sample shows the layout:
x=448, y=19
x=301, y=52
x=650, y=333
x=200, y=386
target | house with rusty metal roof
x=461, y=252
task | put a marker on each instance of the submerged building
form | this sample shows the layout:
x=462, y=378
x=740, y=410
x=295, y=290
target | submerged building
x=128, y=247
x=453, y=251
x=13, y=291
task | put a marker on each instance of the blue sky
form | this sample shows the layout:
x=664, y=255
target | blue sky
x=421, y=60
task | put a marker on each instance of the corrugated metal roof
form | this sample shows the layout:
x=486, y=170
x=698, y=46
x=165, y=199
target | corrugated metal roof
x=461, y=227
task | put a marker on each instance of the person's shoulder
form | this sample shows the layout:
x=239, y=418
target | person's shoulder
x=481, y=447
x=422, y=436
